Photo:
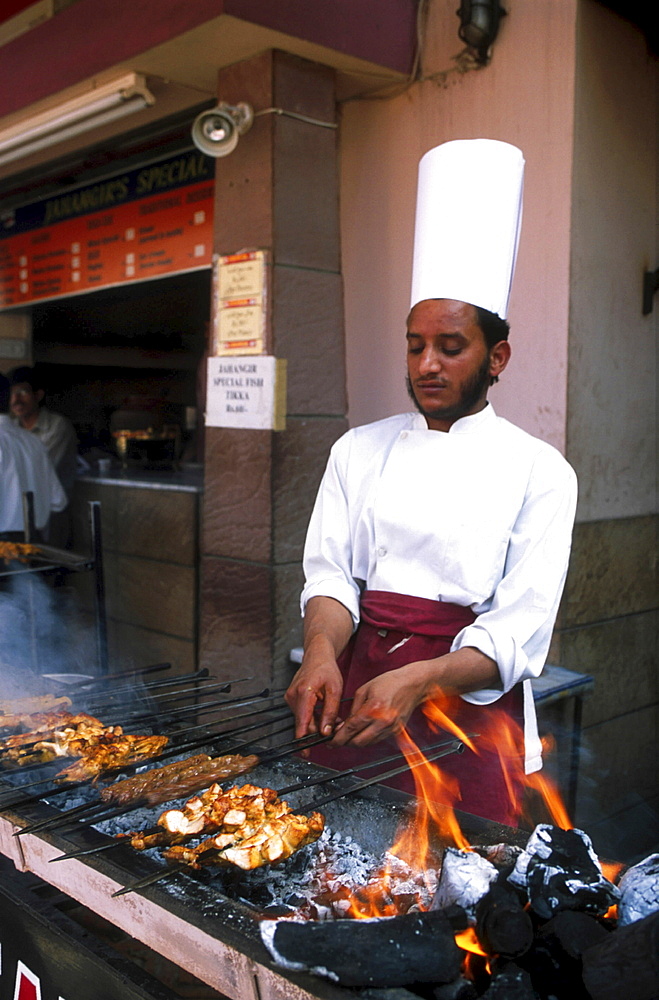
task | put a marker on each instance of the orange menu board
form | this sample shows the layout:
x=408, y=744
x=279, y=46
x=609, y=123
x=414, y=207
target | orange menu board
x=143, y=223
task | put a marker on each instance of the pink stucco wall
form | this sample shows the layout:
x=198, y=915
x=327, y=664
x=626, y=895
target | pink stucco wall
x=525, y=96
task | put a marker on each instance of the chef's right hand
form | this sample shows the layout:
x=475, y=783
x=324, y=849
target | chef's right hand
x=314, y=695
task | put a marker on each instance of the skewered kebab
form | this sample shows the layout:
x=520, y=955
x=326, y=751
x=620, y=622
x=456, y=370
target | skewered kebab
x=22, y=711
x=98, y=747
x=214, y=811
x=252, y=826
x=50, y=737
x=17, y=550
x=175, y=750
x=178, y=779
x=108, y=752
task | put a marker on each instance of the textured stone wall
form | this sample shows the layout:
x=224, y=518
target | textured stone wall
x=278, y=191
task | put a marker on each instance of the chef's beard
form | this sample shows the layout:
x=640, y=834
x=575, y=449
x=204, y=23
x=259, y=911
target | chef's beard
x=473, y=391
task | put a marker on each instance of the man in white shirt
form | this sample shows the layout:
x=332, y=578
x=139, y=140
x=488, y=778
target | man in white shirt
x=24, y=467
x=55, y=431
x=435, y=558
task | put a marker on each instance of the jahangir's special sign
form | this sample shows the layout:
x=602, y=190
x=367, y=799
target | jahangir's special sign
x=144, y=223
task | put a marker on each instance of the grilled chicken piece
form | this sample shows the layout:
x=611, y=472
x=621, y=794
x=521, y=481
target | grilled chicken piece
x=21, y=711
x=52, y=734
x=17, y=550
x=182, y=777
x=107, y=752
x=274, y=841
x=214, y=811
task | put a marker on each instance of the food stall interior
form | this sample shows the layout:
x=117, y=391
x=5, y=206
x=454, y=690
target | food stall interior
x=128, y=349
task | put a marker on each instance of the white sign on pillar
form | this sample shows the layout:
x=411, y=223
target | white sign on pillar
x=247, y=392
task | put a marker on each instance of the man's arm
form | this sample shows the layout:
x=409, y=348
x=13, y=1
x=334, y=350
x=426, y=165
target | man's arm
x=328, y=627
x=383, y=706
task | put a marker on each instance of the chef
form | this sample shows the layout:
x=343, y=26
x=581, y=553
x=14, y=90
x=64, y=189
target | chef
x=438, y=546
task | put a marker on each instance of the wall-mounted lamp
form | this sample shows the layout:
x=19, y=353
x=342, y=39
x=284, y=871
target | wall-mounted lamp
x=479, y=25
x=96, y=107
x=217, y=130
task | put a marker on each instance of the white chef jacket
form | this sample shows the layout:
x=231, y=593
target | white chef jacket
x=480, y=516
x=25, y=465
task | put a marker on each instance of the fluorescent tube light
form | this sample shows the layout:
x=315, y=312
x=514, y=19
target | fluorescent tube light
x=88, y=111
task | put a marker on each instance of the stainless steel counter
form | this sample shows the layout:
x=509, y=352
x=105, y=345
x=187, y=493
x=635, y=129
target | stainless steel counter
x=185, y=480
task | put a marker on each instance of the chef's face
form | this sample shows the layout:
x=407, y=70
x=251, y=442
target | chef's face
x=24, y=401
x=449, y=365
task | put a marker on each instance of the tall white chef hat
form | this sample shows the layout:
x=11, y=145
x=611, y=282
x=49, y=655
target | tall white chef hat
x=468, y=218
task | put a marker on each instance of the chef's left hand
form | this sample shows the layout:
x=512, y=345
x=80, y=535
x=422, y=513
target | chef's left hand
x=382, y=706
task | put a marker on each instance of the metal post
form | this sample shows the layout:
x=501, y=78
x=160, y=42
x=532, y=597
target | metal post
x=29, y=534
x=101, y=616
x=29, y=528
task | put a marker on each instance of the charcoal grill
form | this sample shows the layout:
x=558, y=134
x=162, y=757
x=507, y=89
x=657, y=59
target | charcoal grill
x=199, y=923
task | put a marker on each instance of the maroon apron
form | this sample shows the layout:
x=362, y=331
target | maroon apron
x=395, y=630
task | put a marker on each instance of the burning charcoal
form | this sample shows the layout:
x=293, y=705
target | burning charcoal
x=386, y=951
x=503, y=926
x=465, y=878
x=511, y=983
x=626, y=964
x=561, y=871
x=500, y=855
x=574, y=931
x=639, y=891
x=554, y=960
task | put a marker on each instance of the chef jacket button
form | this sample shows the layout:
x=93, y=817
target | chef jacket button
x=403, y=435
x=382, y=551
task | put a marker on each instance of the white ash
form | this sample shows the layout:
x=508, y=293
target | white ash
x=465, y=878
x=319, y=881
x=639, y=891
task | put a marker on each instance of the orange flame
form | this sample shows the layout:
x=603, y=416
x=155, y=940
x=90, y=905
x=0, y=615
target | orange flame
x=435, y=824
x=436, y=794
x=502, y=735
x=468, y=941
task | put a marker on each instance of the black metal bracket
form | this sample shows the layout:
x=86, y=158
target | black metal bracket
x=650, y=286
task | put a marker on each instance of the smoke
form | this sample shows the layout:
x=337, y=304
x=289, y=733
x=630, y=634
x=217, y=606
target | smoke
x=42, y=631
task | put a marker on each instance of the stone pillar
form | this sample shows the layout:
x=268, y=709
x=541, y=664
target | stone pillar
x=278, y=191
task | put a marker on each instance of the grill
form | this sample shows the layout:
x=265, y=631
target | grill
x=208, y=924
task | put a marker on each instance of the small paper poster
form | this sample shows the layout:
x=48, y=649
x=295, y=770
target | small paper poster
x=247, y=392
x=240, y=304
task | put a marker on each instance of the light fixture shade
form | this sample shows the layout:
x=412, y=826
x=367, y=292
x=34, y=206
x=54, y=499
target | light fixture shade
x=216, y=131
x=94, y=108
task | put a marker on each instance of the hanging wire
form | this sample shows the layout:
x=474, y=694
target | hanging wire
x=464, y=61
x=294, y=114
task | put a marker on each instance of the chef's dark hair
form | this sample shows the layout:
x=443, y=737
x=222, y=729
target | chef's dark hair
x=24, y=374
x=494, y=328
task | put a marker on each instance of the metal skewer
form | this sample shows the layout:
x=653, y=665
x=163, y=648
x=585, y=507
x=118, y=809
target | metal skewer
x=208, y=740
x=137, y=804
x=235, y=702
x=136, y=716
x=297, y=786
x=450, y=747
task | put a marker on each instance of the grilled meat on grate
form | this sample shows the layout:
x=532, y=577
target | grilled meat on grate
x=26, y=712
x=52, y=736
x=178, y=779
x=276, y=839
x=107, y=752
